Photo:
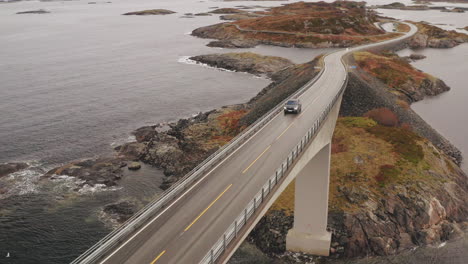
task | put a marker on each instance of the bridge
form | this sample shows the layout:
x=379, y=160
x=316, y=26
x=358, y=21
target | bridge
x=206, y=215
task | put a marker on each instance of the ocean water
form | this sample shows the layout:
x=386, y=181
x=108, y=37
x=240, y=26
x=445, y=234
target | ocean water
x=74, y=84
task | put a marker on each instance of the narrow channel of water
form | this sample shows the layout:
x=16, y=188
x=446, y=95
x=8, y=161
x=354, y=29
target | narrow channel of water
x=446, y=112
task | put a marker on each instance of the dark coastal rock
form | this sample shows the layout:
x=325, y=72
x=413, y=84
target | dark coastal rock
x=245, y=62
x=232, y=44
x=227, y=11
x=105, y=171
x=151, y=12
x=416, y=57
x=144, y=133
x=117, y=213
x=235, y=17
x=203, y=14
x=131, y=151
x=40, y=11
x=428, y=87
x=8, y=168
x=134, y=166
x=430, y=36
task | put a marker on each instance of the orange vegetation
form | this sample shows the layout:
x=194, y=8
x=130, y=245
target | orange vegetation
x=383, y=116
x=391, y=69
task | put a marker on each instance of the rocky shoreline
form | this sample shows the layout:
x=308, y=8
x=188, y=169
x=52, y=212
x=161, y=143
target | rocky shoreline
x=245, y=62
x=186, y=143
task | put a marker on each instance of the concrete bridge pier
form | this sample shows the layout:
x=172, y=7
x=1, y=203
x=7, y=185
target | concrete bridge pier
x=309, y=233
x=312, y=173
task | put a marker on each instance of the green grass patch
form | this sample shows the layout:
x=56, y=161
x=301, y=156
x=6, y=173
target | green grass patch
x=362, y=122
x=404, y=142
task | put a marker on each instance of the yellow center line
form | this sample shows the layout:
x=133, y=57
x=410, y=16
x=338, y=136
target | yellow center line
x=251, y=164
x=160, y=255
x=284, y=131
x=209, y=206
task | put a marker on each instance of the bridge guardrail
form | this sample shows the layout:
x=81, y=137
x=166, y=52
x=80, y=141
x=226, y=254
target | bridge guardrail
x=114, y=238
x=231, y=233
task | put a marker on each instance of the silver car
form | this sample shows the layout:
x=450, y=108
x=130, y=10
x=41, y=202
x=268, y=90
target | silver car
x=293, y=106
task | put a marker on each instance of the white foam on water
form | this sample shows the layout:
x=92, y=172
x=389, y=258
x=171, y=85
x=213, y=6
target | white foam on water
x=88, y=189
x=442, y=245
x=24, y=181
x=120, y=142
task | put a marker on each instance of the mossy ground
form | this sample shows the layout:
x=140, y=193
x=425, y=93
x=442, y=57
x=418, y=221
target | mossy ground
x=374, y=160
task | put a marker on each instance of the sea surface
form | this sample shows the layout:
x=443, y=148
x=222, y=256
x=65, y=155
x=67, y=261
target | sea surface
x=74, y=84
x=77, y=81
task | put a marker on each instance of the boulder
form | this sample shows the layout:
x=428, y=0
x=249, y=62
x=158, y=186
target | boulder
x=134, y=166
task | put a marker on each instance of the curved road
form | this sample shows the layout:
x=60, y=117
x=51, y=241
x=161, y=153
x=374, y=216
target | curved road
x=187, y=228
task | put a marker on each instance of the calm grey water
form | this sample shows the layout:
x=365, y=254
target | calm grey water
x=76, y=82
x=446, y=112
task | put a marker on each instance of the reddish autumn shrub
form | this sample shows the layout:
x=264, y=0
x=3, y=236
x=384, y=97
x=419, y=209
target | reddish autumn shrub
x=383, y=116
x=406, y=126
x=386, y=174
x=338, y=148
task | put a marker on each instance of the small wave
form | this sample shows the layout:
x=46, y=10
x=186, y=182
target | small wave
x=442, y=244
x=187, y=60
x=23, y=182
x=120, y=142
x=88, y=189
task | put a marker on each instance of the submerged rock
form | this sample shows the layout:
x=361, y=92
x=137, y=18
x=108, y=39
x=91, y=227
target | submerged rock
x=40, y=11
x=416, y=56
x=232, y=44
x=117, y=213
x=105, y=171
x=134, y=166
x=8, y=168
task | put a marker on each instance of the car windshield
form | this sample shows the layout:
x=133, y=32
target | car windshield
x=291, y=103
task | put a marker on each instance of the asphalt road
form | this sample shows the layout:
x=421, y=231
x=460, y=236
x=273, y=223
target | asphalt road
x=186, y=230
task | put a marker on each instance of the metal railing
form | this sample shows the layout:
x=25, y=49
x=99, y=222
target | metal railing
x=114, y=238
x=233, y=230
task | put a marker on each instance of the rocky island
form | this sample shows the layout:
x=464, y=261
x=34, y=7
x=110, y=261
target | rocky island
x=311, y=25
x=150, y=12
x=40, y=11
x=434, y=37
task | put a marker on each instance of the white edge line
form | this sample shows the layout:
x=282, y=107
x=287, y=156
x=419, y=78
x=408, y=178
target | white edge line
x=186, y=192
